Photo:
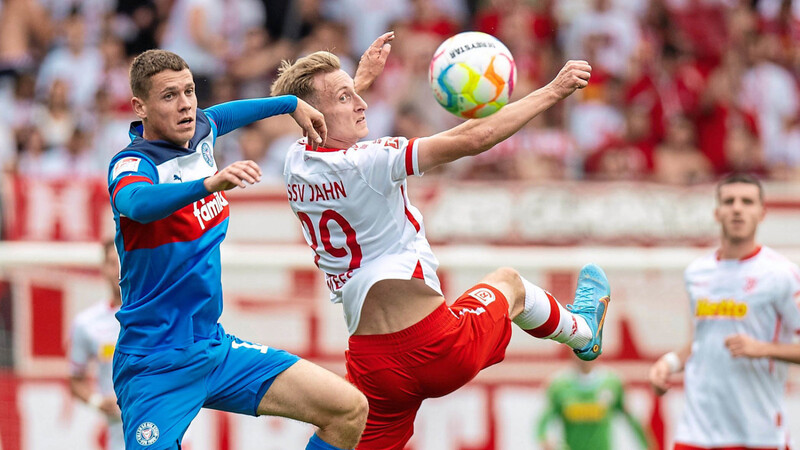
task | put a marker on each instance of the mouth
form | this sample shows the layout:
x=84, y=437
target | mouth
x=361, y=120
x=187, y=121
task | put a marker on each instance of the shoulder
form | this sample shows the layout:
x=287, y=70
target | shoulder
x=779, y=264
x=90, y=314
x=701, y=264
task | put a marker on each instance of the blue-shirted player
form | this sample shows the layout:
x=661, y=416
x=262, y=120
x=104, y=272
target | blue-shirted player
x=173, y=357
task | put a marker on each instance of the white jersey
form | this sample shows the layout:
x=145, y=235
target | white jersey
x=93, y=338
x=738, y=401
x=356, y=217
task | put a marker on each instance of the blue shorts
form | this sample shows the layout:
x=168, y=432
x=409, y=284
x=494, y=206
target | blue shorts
x=161, y=393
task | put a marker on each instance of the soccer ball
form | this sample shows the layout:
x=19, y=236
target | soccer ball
x=472, y=74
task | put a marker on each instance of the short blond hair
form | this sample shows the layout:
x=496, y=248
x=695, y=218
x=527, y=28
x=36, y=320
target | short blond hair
x=298, y=79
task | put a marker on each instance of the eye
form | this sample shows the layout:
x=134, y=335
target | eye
x=190, y=91
x=344, y=97
x=168, y=96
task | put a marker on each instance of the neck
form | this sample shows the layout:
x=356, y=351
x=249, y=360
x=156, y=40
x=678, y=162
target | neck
x=737, y=249
x=337, y=143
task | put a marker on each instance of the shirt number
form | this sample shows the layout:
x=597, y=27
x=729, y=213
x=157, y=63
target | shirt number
x=325, y=236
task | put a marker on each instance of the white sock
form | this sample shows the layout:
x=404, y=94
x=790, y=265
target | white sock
x=545, y=318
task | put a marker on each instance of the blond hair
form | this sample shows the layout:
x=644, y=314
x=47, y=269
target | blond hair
x=150, y=63
x=298, y=79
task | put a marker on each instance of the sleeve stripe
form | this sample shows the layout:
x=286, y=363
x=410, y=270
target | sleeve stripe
x=411, y=150
x=125, y=181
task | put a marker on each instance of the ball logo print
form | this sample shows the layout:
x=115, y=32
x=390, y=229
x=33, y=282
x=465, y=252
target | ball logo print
x=147, y=433
x=206, y=150
x=472, y=74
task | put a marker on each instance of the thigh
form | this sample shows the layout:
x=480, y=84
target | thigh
x=309, y=393
x=245, y=371
x=158, y=400
x=484, y=327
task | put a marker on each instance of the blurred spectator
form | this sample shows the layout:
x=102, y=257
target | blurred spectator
x=93, y=12
x=597, y=118
x=25, y=33
x=367, y=20
x=678, y=160
x=195, y=31
x=137, y=23
x=611, y=32
x=771, y=91
x=54, y=119
x=76, y=63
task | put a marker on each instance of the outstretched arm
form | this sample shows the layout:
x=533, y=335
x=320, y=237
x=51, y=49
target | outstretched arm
x=238, y=113
x=372, y=62
x=478, y=135
x=742, y=345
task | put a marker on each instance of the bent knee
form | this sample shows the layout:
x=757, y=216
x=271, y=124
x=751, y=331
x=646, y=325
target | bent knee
x=353, y=416
x=506, y=279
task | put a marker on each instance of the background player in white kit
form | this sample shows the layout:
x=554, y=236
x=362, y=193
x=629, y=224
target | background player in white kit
x=744, y=305
x=93, y=338
x=406, y=343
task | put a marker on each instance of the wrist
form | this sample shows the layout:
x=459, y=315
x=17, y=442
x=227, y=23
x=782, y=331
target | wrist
x=95, y=400
x=673, y=362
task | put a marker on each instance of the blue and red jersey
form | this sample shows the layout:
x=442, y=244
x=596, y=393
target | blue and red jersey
x=169, y=228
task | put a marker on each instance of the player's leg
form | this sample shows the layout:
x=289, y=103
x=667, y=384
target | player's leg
x=255, y=379
x=536, y=311
x=311, y=394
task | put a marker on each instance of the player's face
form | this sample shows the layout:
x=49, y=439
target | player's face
x=169, y=110
x=739, y=211
x=342, y=107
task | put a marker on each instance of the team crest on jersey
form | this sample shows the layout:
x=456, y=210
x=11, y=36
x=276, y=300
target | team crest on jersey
x=147, y=433
x=483, y=295
x=205, y=149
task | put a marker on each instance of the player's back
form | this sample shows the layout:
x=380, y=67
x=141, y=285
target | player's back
x=356, y=216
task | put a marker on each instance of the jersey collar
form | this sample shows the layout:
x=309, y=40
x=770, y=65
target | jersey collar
x=745, y=257
x=322, y=149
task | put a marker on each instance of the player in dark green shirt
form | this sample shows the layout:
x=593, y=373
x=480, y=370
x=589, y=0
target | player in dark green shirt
x=585, y=401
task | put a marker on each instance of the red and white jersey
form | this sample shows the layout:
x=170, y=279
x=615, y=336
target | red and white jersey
x=93, y=339
x=356, y=217
x=738, y=401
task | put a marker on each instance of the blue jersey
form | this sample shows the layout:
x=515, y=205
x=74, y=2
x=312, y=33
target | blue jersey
x=169, y=228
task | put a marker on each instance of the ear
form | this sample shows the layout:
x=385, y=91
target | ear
x=139, y=107
x=716, y=214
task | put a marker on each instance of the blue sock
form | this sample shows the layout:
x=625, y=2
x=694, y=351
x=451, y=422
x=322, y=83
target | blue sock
x=315, y=443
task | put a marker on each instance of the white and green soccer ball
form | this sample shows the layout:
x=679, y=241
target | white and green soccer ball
x=472, y=74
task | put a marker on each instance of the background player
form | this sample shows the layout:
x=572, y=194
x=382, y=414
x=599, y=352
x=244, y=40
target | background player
x=584, y=401
x=740, y=295
x=173, y=357
x=406, y=344
x=93, y=337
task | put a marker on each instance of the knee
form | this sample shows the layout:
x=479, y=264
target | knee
x=507, y=280
x=352, y=418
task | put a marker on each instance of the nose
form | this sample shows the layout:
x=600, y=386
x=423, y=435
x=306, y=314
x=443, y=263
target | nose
x=184, y=102
x=361, y=105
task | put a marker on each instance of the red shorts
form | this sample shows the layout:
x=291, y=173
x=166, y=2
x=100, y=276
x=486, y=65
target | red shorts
x=432, y=358
x=679, y=446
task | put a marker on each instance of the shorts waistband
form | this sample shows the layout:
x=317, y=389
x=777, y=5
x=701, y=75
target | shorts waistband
x=409, y=338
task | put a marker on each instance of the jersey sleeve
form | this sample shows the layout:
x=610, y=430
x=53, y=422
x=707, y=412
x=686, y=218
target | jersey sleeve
x=226, y=117
x=388, y=161
x=80, y=351
x=788, y=301
x=136, y=194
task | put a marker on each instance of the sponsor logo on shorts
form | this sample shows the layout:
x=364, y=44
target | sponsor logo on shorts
x=477, y=311
x=726, y=308
x=483, y=295
x=147, y=434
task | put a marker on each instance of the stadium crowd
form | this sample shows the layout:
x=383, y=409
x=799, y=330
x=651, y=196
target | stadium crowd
x=682, y=90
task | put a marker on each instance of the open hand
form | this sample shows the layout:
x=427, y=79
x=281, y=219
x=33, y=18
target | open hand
x=312, y=122
x=237, y=174
x=372, y=62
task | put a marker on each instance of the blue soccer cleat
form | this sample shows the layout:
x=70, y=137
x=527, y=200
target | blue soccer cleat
x=591, y=302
